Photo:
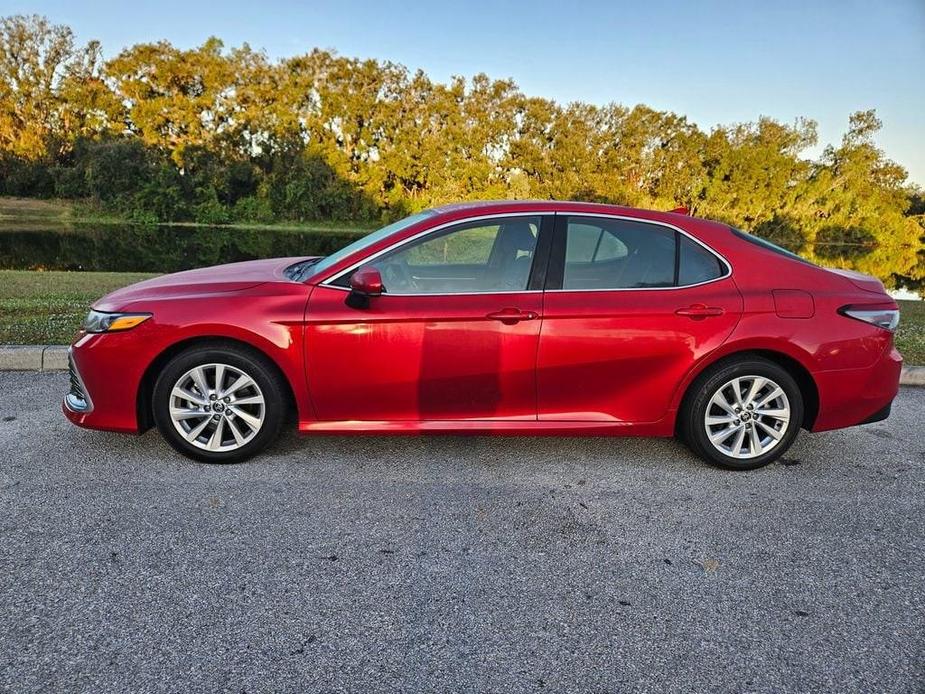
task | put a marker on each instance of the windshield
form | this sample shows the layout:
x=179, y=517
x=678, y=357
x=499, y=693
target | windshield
x=369, y=240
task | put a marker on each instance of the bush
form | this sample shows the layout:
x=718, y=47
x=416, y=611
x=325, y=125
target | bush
x=252, y=209
x=113, y=169
x=238, y=181
x=211, y=211
x=161, y=198
x=26, y=178
x=143, y=217
x=69, y=182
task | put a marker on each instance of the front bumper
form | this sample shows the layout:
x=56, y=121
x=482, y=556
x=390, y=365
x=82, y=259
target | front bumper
x=105, y=373
x=77, y=400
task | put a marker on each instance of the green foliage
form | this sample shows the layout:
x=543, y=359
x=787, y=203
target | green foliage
x=216, y=135
x=161, y=197
x=785, y=231
x=210, y=210
x=253, y=209
x=143, y=217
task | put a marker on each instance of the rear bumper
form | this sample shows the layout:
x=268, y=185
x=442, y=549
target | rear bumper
x=879, y=415
x=848, y=397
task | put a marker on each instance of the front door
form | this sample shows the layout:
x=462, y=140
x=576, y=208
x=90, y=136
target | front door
x=630, y=306
x=454, y=335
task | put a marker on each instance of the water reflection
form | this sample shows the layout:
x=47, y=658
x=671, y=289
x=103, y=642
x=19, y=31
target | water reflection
x=155, y=248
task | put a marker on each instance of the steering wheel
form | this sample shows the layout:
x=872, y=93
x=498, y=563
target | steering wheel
x=395, y=276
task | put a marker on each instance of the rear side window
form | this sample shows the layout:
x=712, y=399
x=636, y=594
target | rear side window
x=606, y=253
x=617, y=254
x=696, y=264
x=589, y=243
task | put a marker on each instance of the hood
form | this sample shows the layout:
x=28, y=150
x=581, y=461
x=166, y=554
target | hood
x=219, y=279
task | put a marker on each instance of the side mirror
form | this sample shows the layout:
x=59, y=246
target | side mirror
x=364, y=284
x=366, y=281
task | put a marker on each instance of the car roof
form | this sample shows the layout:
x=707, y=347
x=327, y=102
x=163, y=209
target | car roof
x=473, y=208
x=488, y=206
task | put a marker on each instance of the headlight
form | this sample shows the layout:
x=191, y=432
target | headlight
x=99, y=322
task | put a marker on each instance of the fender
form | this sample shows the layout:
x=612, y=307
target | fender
x=738, y=346
x=283, y=347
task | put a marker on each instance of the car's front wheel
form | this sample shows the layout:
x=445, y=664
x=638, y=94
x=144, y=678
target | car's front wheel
x=219, y=403
x=742, y=414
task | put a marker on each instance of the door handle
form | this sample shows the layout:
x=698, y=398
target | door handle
x=700, y=311
x=509, y=316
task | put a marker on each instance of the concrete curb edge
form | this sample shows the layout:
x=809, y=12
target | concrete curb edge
x=33, y=358
x=54, y=358
x=912, y=376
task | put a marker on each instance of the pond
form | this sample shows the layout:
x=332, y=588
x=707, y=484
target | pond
x=115, y=248
x=34, y=245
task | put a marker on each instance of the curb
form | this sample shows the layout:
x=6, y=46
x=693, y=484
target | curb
x=54, y=358
x=912, y=376
x=33, y=357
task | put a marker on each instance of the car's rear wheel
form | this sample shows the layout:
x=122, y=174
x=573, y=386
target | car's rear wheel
x=742, y=414
x=219, y=403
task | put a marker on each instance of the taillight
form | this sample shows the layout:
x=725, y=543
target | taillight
x=884, y=316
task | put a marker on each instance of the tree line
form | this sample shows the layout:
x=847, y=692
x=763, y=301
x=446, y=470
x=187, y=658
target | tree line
x=218, y=135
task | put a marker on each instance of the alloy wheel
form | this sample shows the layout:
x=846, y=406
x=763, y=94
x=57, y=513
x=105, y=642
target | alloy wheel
x=747, y=417
x=217, y=407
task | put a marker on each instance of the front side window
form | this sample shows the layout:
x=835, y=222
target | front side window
x=618, y=254
x=493, y=255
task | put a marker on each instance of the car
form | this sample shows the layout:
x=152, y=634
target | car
x=552, y=318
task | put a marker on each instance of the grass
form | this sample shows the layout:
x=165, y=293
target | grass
x=910, y=337
x=39, y=308
x=26, y=214
x=48, y=210
x=47, y=308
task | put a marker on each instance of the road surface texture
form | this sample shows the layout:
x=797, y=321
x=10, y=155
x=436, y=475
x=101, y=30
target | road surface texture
x=457, y=564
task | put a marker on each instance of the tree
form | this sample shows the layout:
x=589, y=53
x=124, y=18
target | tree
x=177, y=99
x=34, y=57
x=858, y=197
x=215, y=133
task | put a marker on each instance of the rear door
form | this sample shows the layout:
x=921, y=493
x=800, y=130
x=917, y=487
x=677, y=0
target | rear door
x=629, y=307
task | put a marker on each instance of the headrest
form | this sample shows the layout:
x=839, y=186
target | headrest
x=519, y=235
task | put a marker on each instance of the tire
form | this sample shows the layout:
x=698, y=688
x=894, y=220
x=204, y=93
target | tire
x=231, y=421
x=769, y=419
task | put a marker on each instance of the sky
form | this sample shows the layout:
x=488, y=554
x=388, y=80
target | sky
x=717, y=62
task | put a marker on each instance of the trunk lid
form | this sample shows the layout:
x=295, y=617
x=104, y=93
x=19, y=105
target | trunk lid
x=861, y=281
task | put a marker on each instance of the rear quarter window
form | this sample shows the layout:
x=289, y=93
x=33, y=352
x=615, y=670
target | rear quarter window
x=696, y=264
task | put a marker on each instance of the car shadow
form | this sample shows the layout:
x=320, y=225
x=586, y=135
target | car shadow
x=476, y=453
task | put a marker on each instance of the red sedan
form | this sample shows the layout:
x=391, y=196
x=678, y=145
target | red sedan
x=498, y=318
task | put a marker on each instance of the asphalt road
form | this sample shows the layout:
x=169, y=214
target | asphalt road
x=457, y=564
